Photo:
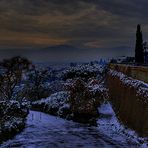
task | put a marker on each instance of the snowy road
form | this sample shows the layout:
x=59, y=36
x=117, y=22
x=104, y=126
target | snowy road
x=45, y=131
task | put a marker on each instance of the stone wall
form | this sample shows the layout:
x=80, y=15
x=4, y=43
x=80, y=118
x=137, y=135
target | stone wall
x=130, y=100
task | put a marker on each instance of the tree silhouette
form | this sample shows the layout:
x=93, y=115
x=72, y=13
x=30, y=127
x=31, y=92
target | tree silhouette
x=139, y=51
x=11, y=75
x=36, y=84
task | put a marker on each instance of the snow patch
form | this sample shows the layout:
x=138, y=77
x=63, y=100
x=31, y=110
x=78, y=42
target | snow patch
x=109, y=124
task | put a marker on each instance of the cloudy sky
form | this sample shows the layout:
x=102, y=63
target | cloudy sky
x=91, y=28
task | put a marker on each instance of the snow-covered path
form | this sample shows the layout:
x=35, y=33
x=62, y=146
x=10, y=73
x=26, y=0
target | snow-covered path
x=45, y=131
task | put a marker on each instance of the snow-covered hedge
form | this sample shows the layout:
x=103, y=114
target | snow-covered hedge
x=84, y=71
x=79, y=102
x=56, y=104
x=12, y=108
x=12, y=118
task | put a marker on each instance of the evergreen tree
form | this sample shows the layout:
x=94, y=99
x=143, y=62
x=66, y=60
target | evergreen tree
x=139, y=51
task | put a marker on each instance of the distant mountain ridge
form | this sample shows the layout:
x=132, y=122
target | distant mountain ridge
x=62, y=47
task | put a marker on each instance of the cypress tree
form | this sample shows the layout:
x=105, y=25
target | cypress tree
x=139, y=51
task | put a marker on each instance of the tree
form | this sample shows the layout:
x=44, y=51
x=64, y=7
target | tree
x=36, y=87
x=139, y=51
x=11, y=75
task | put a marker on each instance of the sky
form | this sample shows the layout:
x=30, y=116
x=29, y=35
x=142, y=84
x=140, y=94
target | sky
x=81, y=30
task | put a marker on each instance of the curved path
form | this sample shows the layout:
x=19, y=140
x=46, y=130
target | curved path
x=45, y=131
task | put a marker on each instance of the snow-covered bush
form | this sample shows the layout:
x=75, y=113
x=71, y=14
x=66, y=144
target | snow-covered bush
x=85, y=99
x=83, y=71
x=56, y=86
x=56, y=104
x=100, y=92
x=12, y=118
x=81, y=98
x=79, y=102
x=12, y=108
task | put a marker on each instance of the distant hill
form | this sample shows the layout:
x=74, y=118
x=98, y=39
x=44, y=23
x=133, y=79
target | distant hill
x=61, y=47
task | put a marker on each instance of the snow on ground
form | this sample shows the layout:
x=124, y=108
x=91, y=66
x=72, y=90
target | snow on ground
x=110, y=125
x=43, y=130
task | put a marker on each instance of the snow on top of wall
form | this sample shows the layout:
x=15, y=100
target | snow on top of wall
x=140, y=86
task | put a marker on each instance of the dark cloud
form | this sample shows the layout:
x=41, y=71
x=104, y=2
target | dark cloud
x=131, y=8
x=87, y=24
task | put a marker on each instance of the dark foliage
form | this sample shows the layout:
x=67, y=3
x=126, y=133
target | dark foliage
x=36, y=84
x=113, y=61
x=82, y=102
x=12, y=118
x=85, y=75
x=11, y=74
